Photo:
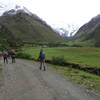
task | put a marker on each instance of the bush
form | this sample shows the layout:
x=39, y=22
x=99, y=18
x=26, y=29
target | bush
x=58, y=60
x=23, y=55
x=76, y=45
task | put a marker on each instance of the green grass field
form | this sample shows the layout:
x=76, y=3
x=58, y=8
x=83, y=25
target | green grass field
x=87, y=57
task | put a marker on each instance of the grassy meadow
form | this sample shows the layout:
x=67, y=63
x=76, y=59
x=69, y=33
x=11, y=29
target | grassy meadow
x=87, y=57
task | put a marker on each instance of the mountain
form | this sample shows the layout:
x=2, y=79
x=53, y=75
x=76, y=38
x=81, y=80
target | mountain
x=66, y=29
x=21, y=26
x=90, y=31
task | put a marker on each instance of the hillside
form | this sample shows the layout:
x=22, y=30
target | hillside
x=90, y=32
x=20, y=26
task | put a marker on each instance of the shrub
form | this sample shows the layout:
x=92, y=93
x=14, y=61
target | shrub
x=58, y=60
x=23, y=55
x=76, y=45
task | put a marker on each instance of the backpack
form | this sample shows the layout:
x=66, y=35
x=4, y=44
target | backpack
x=42, y=55
x=12, y=54
x=5, y=54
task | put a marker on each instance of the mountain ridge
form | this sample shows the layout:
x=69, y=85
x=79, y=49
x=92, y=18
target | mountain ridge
x=27, y=28
x=90, y=31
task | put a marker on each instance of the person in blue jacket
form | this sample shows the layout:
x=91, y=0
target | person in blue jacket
x=42, y=59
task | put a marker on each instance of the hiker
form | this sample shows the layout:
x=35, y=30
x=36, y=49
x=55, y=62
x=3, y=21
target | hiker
x=13, y=55
x=5, y=56
x=42, y=59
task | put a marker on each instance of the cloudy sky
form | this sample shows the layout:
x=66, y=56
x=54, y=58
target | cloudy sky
x=58, y=12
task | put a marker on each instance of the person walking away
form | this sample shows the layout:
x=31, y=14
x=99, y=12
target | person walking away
x=5, y=57
x=42, y=59
x=13, y=56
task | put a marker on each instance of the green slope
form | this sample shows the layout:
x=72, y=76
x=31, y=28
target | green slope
x=25, y=28
x=90, y=32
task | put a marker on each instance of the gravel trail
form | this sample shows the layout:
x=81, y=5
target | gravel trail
x=24, y=81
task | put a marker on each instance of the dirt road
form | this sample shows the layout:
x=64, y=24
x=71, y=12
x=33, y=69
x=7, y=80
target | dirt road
x=24, y=81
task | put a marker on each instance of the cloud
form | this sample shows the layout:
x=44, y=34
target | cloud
x=59, y=11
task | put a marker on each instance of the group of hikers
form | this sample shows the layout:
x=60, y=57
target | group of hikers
x=8, y=54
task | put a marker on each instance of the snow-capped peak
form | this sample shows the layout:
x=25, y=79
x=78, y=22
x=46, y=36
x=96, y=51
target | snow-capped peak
x=26, y=10
x=68, y=30
x=16, y=10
